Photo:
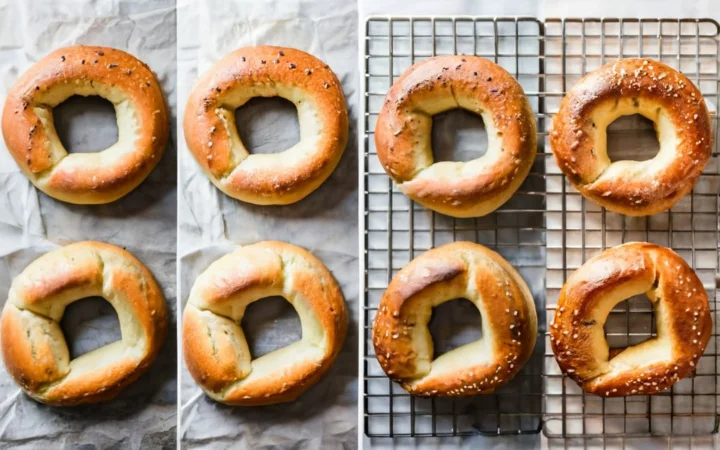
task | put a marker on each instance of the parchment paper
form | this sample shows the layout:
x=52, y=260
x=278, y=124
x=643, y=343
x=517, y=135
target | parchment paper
x=211, y=224
x=31, y=223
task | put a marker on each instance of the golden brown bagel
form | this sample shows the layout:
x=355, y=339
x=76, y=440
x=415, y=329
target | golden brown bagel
x=403, y=344
x=216, y=352
x=34, y=348
x=404, y=129
x=682, y=318
x=633, y=86
x=267, y=179
x=86, y=178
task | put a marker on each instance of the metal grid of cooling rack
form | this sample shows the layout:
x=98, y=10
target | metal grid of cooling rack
x=397, y=230
x=547, y=221
x=579, y=229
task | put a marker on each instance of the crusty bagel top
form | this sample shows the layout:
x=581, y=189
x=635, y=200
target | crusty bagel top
x=215, y=349
x=115, y=75
x=404, y=128
x=682, y=317
x=401, y=338
x=630, y=86
x=33, y=346
x=267, y=71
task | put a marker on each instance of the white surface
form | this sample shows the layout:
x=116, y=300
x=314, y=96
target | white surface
x=32, y=223
x=211, y=223
x=541, y=9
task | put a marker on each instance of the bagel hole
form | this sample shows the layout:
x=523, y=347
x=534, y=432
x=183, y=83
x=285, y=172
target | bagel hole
x=268, y=125
x=453, y=324
x=458, y=135
x=269, y=324
x=630, y=322
x=88, y=324
x=633, y=138
x=85, y=124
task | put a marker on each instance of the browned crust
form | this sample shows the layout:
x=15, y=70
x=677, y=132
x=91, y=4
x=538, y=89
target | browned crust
x=210, y=347
x=261, y=269
x=19, y=341
x=573, y=135
x=443, y=271
x=261, y=68
x=402, y=127
x=37, y=296
x=678, y=291
x=27, y=140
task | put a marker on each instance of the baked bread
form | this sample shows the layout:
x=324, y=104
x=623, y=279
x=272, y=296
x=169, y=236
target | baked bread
x=86, y=178
x=682, y=317
x=265, y=71
x=633, y=86
x=404, y=129
x=34, y=348
x=404, y=347
x=216, y=352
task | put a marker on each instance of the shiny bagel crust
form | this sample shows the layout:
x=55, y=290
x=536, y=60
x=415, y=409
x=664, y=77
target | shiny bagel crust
x=404, y=128
x=216, y=352
x=633, y=86
x=266, y=71
x=682, y=315
x=86, y=178
x=402, y=341
x=33, y=347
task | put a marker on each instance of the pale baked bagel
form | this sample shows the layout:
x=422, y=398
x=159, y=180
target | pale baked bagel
x=404, y=129
x=216, y=352
x=682, y=317
x=403, y=344
x=86, y=178
x=267, y=179
x=633, y=86
x=34, y=348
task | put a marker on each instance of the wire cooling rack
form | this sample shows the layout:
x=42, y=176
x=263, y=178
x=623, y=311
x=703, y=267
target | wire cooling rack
x=397, y=230
x=546, y=230
x=578, y=229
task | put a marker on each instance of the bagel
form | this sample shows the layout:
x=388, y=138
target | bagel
x=216, y=352
x=682, y=317
x=404, y=129
x=403, y=344
x=34, y=348
x=633, y=86
x=86, y=178
x=267, y=179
